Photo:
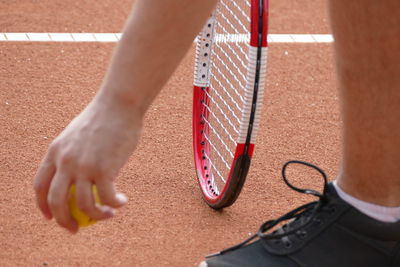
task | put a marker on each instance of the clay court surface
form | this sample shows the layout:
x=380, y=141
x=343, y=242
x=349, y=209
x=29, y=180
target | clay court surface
x=166, y=223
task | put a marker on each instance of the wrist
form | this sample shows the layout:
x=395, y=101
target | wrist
x=126, y=106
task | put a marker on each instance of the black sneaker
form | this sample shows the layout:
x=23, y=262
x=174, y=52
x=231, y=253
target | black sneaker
x=325, y=233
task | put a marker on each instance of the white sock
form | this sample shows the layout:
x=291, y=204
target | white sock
x=380, y=213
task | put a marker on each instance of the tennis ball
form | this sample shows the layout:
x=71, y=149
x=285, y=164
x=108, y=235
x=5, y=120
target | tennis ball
x=80, y=217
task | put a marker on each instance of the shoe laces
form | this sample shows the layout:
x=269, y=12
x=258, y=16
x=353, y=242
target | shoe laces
x=298, y=218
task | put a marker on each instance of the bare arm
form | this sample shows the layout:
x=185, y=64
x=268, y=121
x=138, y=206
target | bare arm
x=157, y=36
x=98, y=142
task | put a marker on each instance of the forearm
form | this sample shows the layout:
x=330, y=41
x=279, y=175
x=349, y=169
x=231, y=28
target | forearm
x=155, y=39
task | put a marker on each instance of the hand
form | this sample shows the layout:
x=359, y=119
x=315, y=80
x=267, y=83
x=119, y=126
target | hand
x=91, y=150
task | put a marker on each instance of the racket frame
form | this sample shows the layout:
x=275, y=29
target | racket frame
x=245, y=146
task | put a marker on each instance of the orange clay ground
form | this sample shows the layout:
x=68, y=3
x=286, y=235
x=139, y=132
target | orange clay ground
x=44, y=85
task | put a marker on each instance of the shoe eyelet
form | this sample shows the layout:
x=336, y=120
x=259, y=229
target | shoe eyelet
x=301, y=234
x=332, y=210
x=318, y=221
x=287, y=244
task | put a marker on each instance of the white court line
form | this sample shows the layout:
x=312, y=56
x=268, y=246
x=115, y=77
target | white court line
x=83, y=37
x=16, y=36
x=106, y=37
x=115, y=37
x=280, y=38
x=38, y=37
x=61, y=37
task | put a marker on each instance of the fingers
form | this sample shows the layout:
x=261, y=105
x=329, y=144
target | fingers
x=58, y=201
x=52, y=185
x=41, y=186
x=86, y=201
x=108, y=195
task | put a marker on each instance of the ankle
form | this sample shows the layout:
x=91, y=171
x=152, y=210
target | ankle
x=378, y=212
x=374, y=191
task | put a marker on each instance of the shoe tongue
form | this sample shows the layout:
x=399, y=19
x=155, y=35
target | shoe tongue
x=330, y=191
x=296, y=223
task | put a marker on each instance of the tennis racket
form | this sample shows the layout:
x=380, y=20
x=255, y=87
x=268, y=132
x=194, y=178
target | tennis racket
x=229, y=76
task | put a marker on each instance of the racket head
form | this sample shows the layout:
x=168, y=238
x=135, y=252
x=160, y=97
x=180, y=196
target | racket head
x=228, y=91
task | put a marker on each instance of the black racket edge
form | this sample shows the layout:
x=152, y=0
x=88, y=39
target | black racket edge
x=235, y=185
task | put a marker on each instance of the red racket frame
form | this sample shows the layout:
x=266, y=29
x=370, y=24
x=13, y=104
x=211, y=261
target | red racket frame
x=244, y=151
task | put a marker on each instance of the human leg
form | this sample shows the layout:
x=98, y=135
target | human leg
x=331, y=232
x=367, y=45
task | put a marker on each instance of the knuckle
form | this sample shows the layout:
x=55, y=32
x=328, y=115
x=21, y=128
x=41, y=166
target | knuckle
x=53, y=202
x=87, y=168
x=66, y=158
x=108, y=174
x=53, y=147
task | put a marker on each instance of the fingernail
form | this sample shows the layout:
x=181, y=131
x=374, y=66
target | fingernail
x=122, y=198
x=74, y=228
x=108, y=211
x=74, y=231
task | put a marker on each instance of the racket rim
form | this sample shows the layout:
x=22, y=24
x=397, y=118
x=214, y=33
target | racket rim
x=243, y=152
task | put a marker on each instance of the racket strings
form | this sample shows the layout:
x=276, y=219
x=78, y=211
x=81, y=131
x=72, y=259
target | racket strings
x=244, y=15
x=214, y=132
x=233, y=38
x=222, y=9
x=224, y=101
x=233, y=75
x=220, y=155
x=217, y=171
x=227, y=41
x=236, y=117
x=226, y=92
x=217, y=151
x=233, y=14
x=220, y=123
x=232, y=35
x=220, y=140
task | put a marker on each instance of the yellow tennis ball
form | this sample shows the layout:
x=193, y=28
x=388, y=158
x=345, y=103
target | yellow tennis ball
x=80, y=217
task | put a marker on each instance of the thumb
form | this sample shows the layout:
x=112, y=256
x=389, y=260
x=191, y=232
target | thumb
x=108, y=195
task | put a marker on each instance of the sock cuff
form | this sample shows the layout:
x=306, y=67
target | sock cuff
x=380, y=213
